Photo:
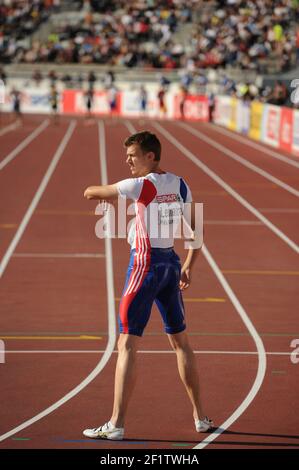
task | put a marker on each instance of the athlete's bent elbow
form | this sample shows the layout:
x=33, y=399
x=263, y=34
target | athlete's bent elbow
x=88, y=193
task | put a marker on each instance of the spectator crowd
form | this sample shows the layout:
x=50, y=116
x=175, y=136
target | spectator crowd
x=272, y=92
x=142, y=33
x=18, y=20
x=245, y=33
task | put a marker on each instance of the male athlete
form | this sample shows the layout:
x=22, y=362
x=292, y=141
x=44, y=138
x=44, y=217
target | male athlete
x=154, y=274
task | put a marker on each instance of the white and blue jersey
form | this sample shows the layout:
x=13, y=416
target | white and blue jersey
x=154, y=269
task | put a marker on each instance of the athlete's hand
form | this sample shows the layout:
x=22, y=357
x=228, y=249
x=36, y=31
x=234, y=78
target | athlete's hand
x=185, y=278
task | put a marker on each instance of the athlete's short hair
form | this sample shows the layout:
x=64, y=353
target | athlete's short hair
x=147, y=141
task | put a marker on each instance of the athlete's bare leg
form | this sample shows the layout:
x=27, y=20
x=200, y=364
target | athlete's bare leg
x=187, y=370
x=125, y=377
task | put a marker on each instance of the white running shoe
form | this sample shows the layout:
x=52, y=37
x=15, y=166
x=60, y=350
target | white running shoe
x=107, y=431
x=203, y=425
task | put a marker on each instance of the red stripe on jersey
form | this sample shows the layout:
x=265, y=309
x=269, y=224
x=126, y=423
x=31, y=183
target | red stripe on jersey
x=148, y=193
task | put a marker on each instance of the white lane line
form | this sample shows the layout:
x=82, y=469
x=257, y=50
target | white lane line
x=227, y=187
x=111, y=315
x=37, y=197
x=108, y=252
x=262, y=360
x=232, y=222
x=59, y=255
x=24, y=143
x=9, y=128
x=235, y=156
x=254, y=145
x=100, y=351
x=130, y=127
x=279, y=211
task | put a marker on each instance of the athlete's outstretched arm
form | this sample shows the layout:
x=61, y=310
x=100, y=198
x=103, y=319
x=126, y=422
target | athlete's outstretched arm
x=107, y=192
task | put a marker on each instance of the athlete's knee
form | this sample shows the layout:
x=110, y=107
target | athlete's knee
x=127, y=344
x=179, y=341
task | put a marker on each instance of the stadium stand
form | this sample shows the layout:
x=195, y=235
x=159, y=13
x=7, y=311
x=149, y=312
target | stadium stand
x=18, y=20
x=252, y=35
x=206, y=47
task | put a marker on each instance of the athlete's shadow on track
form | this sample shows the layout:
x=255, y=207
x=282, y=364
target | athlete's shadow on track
x=232, y=443
x=258, y=434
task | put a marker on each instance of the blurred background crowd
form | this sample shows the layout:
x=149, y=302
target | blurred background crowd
x=190, y=36
x=154, y=33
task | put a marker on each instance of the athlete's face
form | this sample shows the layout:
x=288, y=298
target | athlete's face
x=140, y=163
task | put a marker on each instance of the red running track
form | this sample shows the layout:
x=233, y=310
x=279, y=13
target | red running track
x=241, y=307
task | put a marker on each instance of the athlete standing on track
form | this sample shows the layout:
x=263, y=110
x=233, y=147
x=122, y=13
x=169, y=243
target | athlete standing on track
x=53, y=98
x=154, y=274
x=89, y=97
x=16, y=101
x=161, y=100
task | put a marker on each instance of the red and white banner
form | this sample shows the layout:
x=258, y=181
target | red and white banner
x=295, y=136
x=271, y=125
x=74, y=102
x=286, y=129
x=195, y=108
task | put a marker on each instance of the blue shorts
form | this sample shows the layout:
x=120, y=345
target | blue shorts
x=155, y=278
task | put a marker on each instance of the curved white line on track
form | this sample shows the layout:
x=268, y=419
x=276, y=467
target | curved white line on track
x=111, y=315
x=235, y=156
x=130, y=127
x=226, y=187
x=11, y=127
x=262, y=361
x=251, y=143
x=24, y=143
